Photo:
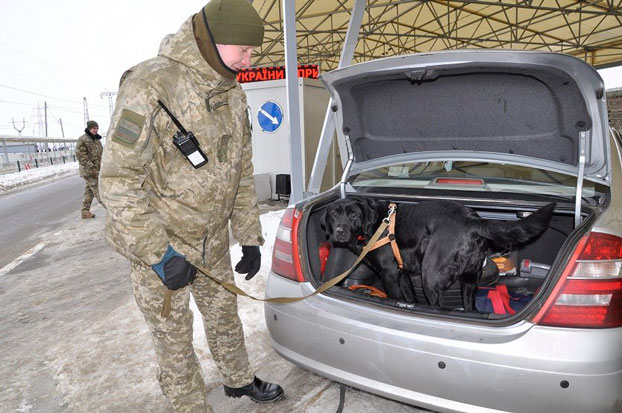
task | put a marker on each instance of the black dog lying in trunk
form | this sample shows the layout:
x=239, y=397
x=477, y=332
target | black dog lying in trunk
x=440, y=241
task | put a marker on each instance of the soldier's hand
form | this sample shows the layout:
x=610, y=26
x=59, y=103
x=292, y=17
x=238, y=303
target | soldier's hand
x=174, y=271
x=250, y=262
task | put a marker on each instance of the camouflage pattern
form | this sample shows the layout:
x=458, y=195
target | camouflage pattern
x=89, y=155
x=155, y=197
x=153, y=194
x=90, y=191
x=180, y=374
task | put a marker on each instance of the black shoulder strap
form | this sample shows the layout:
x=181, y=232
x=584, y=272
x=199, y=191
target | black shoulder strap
x=173, y=118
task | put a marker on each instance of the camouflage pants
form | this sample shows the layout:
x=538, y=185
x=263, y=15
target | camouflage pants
x=90, y=192
x=180, y=373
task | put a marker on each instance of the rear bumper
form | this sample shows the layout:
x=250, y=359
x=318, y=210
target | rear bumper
x=447, y=366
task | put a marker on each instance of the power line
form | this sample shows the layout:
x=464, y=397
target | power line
x=6, y=127
x=62, y=70
x=16, y=103
x=80, y=112
x=19, y=131
x=101, y=106
x=51, y=114
x=109, y=95
x=38, y=94
x=29, y=77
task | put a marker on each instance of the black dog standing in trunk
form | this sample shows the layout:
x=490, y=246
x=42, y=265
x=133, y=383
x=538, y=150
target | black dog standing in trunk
x=440, y=241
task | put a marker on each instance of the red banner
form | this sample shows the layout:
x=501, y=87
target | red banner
x=259, y=74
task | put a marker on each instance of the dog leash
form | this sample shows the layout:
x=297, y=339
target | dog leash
x=166, y=307
x=390, y=238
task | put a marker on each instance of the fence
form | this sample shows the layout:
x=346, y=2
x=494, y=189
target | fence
x=36, y=160
x=18, y=153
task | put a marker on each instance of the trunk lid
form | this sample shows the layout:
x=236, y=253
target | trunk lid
x=544, y=110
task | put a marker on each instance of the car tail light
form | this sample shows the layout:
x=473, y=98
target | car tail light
x=589, y=293
x=285, y=260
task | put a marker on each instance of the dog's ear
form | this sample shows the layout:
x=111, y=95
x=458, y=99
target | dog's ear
x=324, y=222
x=370, y=216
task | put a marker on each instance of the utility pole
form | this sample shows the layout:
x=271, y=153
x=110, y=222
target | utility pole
x=39, y=122
x=19, y=131
x=40, y=125
x=109, y=95
x=86, y=110
x=45, y=111
x=61, y=126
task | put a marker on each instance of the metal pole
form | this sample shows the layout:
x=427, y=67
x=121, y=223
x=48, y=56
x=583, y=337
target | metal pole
x=293, y=102
x=328, y=130
x=61, y=126
x=110, y=96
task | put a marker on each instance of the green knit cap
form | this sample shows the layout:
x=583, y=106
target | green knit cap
x=234, y=22
x=91, y=124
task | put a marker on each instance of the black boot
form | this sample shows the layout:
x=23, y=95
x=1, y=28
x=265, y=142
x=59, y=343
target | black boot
x=259, y=391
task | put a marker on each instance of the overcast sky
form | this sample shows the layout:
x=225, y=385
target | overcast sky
x=62, y=51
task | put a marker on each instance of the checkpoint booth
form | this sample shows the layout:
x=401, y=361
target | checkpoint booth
x=266, y=92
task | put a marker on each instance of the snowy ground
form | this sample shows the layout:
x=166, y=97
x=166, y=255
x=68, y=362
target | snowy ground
x=73, y=340
x=15, y=180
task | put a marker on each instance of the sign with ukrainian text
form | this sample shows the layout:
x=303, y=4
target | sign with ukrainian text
x=259, y=74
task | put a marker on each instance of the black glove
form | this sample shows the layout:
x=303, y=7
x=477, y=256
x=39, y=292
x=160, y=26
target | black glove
x=174, y=271
x=250, y=262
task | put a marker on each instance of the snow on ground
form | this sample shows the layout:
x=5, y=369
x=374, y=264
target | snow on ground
x=14, y=180
x=77, y=363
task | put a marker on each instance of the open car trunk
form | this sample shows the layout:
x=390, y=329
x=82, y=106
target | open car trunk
x=499, y=132
x=524, y=271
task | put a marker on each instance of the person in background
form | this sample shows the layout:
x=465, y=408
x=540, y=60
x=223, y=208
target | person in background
x=176, y=172
x=89, y=154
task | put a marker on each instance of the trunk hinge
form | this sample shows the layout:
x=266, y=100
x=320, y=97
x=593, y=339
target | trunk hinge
x=578, y=196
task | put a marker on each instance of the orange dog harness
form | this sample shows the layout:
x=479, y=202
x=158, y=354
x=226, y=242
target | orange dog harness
x=390, y=237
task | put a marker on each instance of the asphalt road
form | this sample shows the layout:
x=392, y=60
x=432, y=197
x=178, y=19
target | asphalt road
x=29, y=213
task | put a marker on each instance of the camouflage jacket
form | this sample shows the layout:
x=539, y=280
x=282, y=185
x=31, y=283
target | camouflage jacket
x=152, y=193
x=89, y=154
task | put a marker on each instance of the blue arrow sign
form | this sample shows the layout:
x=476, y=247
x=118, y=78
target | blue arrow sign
x=270, y=116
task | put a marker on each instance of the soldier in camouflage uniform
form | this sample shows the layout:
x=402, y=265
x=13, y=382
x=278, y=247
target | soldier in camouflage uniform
x=89, y=153
x=164, y=215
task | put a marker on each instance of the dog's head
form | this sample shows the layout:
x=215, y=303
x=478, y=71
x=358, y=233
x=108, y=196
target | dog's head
x=346, y=219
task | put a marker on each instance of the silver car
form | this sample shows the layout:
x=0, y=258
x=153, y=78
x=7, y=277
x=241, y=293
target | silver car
x=503, y=132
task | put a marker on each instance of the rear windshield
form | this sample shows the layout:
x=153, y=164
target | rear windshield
x=477, y=176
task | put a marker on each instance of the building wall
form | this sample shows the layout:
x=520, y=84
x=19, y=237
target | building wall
x=614, y=107
x=41, y=157
x=21, y=148
x=271, y=149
